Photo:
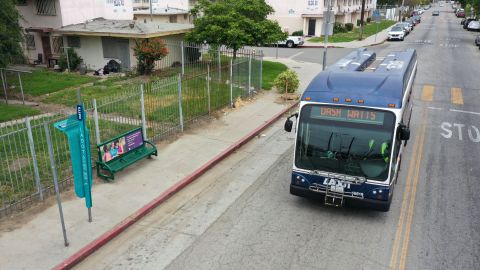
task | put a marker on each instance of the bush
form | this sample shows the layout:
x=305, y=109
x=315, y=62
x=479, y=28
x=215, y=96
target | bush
x=349, y=26
x=298, y=33
x=287, y=82
x=339, y=28
x=358, y=22
x=73, y=59
x=369, y=20
x=147, y=52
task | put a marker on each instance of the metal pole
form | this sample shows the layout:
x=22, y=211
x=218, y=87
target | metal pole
x=362, y=18
x=151, y=12
x=325, y=35
x=376, y=31
x=180, y=110
x=261, y=69
x=4, y=83
x=95, y=120
x=219, y=65
x=142, y=105
x=208, y=88
x=55, y=182
x=34, y=157
x=231, y=83
x=68, y=61
x=21, y=87
x=276, y=52
x=183, y=57
x=249, y=73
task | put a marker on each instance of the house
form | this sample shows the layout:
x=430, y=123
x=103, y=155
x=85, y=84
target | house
x=41, y=17
x=171, y=11
x=308, y=15
x=100, y=40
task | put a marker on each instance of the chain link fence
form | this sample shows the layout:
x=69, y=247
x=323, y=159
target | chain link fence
x=191, y=83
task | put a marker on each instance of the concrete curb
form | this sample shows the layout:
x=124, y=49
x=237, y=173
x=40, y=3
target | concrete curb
x=132, y=219
x=319, y=46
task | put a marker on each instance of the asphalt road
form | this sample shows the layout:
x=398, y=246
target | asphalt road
x=241, y=215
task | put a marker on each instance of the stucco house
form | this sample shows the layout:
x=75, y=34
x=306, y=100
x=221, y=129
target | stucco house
x=169, y=11
x=99, y=40
x=307, y=15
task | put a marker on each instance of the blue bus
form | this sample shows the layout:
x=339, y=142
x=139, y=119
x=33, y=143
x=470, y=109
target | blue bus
x=352, y=125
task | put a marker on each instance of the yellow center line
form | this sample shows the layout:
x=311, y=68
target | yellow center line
x=403, y=211
x=457, y=97
x=427, y=92
x=406, y=239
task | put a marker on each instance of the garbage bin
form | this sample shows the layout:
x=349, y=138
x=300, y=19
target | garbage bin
x=83, y=69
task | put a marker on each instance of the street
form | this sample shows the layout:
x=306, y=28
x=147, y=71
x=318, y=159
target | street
x=240, y=214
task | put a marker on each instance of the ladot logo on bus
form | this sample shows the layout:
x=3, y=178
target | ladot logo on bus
x=339, y=185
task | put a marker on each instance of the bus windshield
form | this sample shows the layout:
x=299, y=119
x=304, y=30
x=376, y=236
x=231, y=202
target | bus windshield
x=345, y=140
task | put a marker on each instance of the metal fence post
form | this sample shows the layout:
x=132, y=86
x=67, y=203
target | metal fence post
x=249, y=73
x=219, y=65
x=180, y=110
x=95, y=120
x=183, y=57
x=208, y=88
x=55, y=182
x=231, y=83
x=34, y=157
x=142, y=105
x=261, y=70
x=4, y=84
x=21, y=87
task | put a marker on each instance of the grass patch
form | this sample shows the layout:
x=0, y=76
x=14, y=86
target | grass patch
x=41, y=82
x=270, y=72
x=11, y=112
x=368, y=30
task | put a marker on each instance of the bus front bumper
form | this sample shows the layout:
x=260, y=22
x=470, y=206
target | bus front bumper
x=353, y=202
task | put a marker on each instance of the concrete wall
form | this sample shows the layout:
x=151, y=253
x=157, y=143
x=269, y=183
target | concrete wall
x=31, y=19
x=91, y=52
x=78, y=11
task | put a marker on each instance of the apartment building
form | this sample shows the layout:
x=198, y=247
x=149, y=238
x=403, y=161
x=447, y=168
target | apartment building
x=308, y=15
x=169, y=11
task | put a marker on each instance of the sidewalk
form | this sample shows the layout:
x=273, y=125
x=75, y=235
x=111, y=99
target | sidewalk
x=38, y=244
x=369, y=41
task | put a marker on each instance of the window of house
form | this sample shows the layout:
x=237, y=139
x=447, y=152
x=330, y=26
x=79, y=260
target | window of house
x=73, y=41
x=172, y=18
x=57, y=42
x=185, y=17
x=30, y=41
x=45, y=7
x=313, y=2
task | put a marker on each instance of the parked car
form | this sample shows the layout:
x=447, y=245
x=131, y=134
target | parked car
x=412, y=21
x=462, y=21
x=292, y=41
x=397, y=32
x=406, y=26
x=477, y=41
x=466, y=22
x=473, y=26
x=417, y=18
x=460, y=13
x=436, y=13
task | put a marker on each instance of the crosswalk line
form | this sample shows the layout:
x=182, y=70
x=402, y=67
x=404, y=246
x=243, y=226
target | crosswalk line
x=457, y=97
x=427, y=92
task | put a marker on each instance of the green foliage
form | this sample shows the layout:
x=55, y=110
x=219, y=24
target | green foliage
x=369, y=20
x=297, y=33
x=349, y=27
x=73, y=58
x=368, y=30
x=287, y=82
x=11, y=112
x=234, y=23
x=147, y=52
x=339, y=28
x=11, y=34
x=270, y=71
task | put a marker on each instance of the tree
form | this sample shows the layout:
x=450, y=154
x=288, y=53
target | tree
x=147, y=52
x=234, y=23
x=11, y=34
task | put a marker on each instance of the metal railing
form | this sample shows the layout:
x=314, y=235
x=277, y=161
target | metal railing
x=163, y=107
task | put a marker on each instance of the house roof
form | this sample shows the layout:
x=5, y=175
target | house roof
x=123, y=28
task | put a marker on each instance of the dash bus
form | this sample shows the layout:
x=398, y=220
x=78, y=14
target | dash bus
x=352, y=125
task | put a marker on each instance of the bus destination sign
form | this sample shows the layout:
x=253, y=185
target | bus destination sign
x=348, y=115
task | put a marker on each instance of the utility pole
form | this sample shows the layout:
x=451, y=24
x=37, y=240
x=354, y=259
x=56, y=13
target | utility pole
x=362, y=17
x=325, y=33
x=151, y=11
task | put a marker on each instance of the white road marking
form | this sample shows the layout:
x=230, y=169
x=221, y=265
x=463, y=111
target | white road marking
x=469, y=112
x=434, y=108
x=295, y=55
x=448, y=130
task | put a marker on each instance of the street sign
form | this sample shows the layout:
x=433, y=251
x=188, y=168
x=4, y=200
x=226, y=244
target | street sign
x=376, y=15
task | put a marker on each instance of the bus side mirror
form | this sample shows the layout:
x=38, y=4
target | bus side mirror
x=289, y=123
x=404, y=133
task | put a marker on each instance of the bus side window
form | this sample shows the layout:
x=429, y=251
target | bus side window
x=396, y=151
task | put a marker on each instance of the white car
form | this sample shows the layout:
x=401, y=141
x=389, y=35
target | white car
x=397, y=32
x=292, y=41
x=473, y=26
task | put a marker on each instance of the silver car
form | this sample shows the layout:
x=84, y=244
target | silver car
x=473, y=26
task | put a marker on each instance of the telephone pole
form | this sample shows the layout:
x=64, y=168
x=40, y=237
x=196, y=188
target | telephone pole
x=362, y=17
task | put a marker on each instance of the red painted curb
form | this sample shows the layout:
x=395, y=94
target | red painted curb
x=124, y=224
x=318, y=46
